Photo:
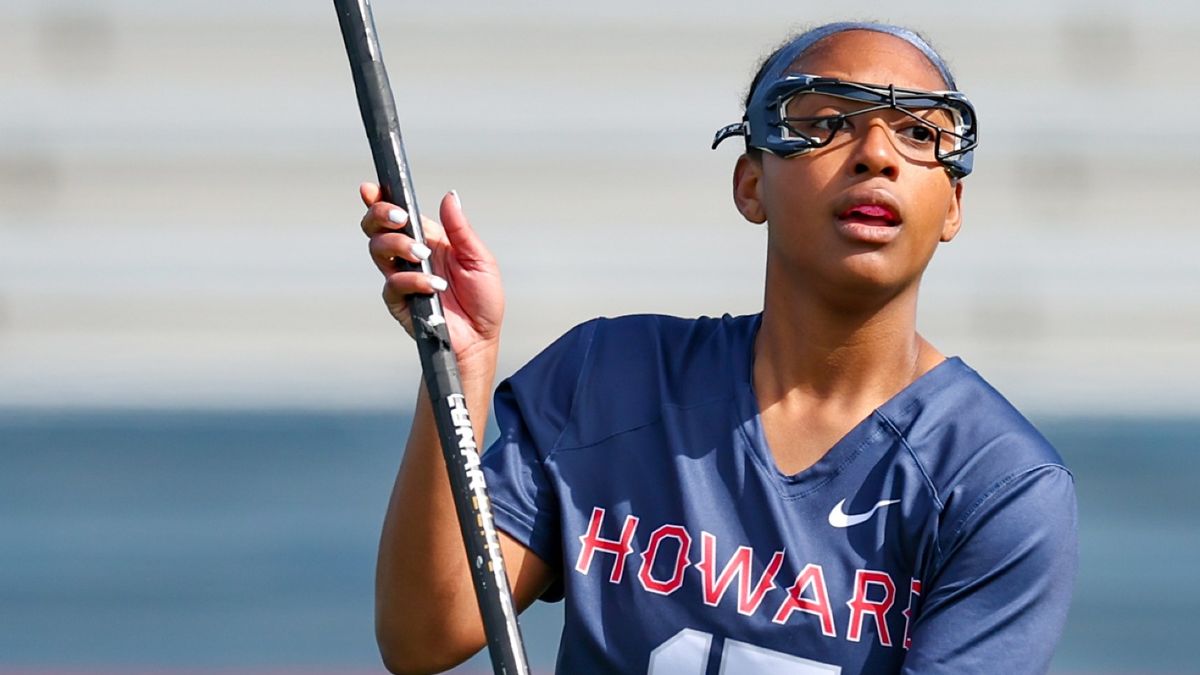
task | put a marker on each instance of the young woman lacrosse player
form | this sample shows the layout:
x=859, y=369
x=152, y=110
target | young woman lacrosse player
x=811, y=489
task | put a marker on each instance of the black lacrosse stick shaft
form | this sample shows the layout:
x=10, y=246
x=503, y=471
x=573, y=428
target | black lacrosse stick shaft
x=438, y=362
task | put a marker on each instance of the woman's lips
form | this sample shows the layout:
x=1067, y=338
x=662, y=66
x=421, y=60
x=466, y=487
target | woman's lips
x=870, y=212
x=869, y=223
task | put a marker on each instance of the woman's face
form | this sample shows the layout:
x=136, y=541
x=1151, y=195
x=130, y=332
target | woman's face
x=861, y=214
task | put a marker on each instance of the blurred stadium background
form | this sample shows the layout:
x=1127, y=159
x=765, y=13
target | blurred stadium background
x=203, y=402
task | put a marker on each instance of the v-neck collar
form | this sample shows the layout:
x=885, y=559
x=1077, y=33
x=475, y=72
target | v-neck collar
x=868, y=432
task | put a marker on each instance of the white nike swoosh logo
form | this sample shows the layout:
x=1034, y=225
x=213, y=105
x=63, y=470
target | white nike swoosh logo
x=839, y=518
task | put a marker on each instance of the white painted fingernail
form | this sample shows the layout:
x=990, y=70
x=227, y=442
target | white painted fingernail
x=421, y=251
x=438, y=283
x=457, y=200
x=398, y=216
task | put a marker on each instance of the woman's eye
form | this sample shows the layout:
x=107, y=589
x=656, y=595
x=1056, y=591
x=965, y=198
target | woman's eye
x=830, y=123
x=821, y=128
x=919, y=133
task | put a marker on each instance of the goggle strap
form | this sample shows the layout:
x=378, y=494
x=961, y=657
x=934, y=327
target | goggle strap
x=729, y=130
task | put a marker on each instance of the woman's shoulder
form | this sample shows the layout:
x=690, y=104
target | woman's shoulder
x=675, y=331
x=968, y=437
x=632, y=337
x=668, y=347
x=629, y=368
x=956, y=401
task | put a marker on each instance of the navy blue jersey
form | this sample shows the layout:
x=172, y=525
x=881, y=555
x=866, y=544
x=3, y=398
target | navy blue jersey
x=937, y=536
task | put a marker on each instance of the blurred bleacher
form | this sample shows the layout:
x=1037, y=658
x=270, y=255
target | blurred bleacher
x=178, y=207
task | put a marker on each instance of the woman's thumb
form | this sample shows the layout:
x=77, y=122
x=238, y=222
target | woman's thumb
x=467, y=246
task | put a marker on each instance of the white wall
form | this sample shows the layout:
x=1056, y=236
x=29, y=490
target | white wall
x=178, y=211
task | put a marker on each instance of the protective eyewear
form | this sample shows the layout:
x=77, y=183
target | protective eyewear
x=799, y=113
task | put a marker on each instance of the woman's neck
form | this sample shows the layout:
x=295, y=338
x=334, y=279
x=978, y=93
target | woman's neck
x=848, y=356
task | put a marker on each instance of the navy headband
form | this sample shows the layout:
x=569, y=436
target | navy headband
x=765, y=127
x=783, y=59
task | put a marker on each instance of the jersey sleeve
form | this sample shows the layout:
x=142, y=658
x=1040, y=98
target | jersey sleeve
x=532, y=409
x=998, y=601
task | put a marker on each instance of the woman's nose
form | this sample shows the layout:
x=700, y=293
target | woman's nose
x=874, y=152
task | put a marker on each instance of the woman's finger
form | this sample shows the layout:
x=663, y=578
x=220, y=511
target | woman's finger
x=369, y=192
x=388, y=246
x=399, y=284
x=385, y=217
x=399, y=310
x=468, y=248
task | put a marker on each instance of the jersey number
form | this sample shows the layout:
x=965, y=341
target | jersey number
x=687, y=654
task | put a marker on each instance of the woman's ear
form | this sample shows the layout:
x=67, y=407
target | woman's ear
x=746, y=180
x=954, y=213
